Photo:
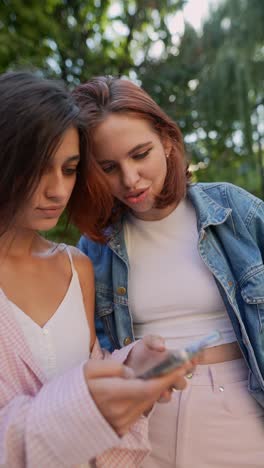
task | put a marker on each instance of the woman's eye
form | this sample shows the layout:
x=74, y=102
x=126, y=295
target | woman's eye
x=109, y=168
x=142, y=155
x=70, y=170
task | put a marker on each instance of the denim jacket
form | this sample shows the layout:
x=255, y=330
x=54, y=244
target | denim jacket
x=230, y=224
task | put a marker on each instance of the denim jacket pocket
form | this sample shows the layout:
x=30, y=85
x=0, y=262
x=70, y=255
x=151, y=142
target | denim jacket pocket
x=252, y=291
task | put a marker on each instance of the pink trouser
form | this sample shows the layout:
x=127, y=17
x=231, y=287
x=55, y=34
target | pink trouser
x=213, y=423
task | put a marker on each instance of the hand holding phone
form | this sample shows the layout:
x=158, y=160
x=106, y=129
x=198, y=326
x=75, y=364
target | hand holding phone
x=177, y=358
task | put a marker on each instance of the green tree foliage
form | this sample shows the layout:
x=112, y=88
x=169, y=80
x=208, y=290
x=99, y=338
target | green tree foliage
x=209, y=81
x=214, y=89
x=75, y=39
x=231, y=85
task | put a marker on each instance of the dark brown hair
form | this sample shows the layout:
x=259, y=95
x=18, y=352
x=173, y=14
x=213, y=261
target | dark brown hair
x=35, y=113
x=98, y=98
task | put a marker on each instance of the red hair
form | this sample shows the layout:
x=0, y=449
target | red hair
x=98, y=98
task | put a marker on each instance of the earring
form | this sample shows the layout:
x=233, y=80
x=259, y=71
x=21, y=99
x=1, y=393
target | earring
x=167, y=155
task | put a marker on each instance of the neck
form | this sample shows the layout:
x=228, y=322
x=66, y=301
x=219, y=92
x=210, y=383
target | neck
x=155, y=214
x=20, y=242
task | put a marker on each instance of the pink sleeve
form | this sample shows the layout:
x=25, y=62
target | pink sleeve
x=131, y=451
x=118, y=355
x=60, y=426
x=134, y=446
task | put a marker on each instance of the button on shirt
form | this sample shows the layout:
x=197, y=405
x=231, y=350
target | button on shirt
x=64, y=341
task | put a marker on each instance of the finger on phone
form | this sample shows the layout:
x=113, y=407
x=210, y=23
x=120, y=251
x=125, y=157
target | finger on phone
x=180, y=384
x=94, y=369
x=154, y=342
x=165, y=396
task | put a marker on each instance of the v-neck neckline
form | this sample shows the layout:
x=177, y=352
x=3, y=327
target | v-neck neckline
x=52, y=317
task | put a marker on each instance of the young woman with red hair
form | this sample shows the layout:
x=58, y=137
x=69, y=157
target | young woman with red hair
x=177, y=259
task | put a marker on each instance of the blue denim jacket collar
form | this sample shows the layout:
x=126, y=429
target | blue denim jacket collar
x=208, y=211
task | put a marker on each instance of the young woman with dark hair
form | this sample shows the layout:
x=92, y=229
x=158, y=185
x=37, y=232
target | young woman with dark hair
x=177, y=259
x=58, y=408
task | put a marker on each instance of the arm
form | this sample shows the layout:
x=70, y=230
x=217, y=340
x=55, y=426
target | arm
x=133, y=446
x=57, y=424
x=251, y=211
x=52, y=427
x=85, y=272
x=94, y=251
x=123, y=401
x=84, y=268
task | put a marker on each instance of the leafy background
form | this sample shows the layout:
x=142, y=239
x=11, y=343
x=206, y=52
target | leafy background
x=210, y=80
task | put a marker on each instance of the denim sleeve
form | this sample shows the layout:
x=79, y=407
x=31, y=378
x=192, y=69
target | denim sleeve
x=251, y=211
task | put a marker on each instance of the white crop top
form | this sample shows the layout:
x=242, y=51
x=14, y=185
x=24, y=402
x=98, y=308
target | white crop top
x=171, y=292
x=64, y=341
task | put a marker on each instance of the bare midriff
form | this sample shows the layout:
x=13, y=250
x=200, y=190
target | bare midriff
x=222, y=353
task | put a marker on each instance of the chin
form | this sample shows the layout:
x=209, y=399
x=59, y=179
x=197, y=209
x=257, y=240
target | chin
x=46, y=225
x=142, y=209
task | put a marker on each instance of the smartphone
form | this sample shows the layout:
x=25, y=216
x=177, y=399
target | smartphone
x=180, y=356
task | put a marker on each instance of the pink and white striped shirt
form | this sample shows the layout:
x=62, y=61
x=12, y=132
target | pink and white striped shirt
x=55, y=423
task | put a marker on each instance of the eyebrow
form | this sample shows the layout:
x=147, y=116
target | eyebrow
x=73, y=158
x=130, y=152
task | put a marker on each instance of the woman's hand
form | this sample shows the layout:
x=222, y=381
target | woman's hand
x=146, y=353
x=122, y=398
x=149, y=352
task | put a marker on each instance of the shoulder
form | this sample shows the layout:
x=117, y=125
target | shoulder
x=222, y=188
x=82, y=264
x=84, y=268
x=230, y=193
x=243, y=203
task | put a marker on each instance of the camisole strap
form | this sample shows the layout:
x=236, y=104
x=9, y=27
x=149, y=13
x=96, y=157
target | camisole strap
x=66, y=247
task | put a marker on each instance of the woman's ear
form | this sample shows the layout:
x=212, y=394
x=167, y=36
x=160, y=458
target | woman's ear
x=167, y=145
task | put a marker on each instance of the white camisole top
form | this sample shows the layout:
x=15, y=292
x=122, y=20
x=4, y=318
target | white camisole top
x=171, y=292
x=64, y=341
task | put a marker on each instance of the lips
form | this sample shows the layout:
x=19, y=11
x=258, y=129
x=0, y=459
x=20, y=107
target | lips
x=137, y=196
x=51, y=211
x=45, y=208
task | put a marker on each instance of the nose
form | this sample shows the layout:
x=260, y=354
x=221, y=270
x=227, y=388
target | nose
x=130, y=177
x=56, y=187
